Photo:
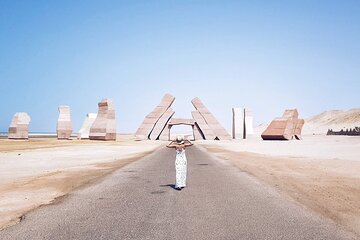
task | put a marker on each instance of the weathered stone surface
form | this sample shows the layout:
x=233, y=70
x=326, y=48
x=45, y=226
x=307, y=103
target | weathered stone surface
x=161, y=124
x=198, y=135
x=84, y=131
x=104, y=126
x=181, y=121
x=64, y=125
x=238, y=123
x=165, y=134
x=299, y=125
x=152, y=118
x=248, y=121
x=219, y=131
x=19, y=126
x=285, y=128
x=207, y=132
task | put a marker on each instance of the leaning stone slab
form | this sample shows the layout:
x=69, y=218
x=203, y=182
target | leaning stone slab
x=299, y=125
x=84, y=132
x=152, y=118
x=207, y=132
x=64, y=125
x=19, y=126
x=104, y=126
x=198, y=135
x=161, y=124
x=219, y=131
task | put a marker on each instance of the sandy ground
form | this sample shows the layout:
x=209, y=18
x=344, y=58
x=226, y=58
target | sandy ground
x=36, y=172
x=320, y=172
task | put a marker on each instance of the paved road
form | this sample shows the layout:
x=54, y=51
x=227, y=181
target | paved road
x=139, y=202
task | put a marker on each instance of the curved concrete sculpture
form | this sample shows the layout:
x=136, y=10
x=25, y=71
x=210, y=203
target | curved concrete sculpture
x=19, y=127
x=84, y=131
x=64, y=125
x=104, y=126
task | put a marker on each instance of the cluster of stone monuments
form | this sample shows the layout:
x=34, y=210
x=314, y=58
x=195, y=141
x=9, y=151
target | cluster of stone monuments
x=347, y=132
x=158, y=123
x=100, y=126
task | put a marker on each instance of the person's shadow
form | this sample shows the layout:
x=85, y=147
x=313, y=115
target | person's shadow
x=169, y=185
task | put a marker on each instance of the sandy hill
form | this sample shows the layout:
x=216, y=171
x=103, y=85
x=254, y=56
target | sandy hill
x=335, y=119
x=319, y=124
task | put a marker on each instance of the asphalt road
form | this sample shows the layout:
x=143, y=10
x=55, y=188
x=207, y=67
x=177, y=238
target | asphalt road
x=139, y=202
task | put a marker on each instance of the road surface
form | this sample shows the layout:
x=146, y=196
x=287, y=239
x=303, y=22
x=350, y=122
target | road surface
x=139, y=202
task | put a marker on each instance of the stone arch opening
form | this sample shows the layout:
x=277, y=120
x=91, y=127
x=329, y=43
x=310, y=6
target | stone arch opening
x=182, y=129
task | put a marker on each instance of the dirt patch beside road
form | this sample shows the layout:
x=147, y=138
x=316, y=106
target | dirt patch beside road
x=329, y=187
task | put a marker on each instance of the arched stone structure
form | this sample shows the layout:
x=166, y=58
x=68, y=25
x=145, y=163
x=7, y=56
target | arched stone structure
x=157, y=124
x=165, y=135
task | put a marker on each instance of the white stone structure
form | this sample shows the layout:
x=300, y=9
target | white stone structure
x=19, y=126
x=104, y=126
x=84, y=131
x=64, y=125
x=238, y=123
x=248, y=120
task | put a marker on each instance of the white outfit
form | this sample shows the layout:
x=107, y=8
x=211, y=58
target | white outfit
x=181, y=168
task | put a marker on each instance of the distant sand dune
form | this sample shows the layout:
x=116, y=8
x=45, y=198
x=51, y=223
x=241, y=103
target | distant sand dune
x=319, y=124
x=335, y=119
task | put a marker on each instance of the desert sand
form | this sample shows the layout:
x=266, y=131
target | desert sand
x=38, y=171
x=322, y=173
x=319, y=124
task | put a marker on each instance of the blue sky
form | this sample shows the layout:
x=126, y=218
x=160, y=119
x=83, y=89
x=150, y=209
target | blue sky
x=264, y=55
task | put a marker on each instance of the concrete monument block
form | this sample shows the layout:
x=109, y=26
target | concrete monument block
x=152, y=118
x=19, y=126
x=285, y=128
x=104, y=126
x=198, y=135
x=299, y=125
x=248, y=122
x=161, y=124
x=64, y=125
x=84, y=131
x=204, y=128
x=165, y=134
x=238, y=123
x=218, y=130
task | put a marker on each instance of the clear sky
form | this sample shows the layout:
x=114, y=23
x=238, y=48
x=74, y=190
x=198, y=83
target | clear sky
x=264, y=55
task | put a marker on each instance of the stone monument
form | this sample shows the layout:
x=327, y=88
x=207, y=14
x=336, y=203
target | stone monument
x=219, y=131
x=238, y=123
x=84, y=131
x=161, y=124
x=157, y=124
x=152, y=118
x=287, y=127
x=248, y=122
x=19, y=126
x=64, y=125
x=104, y=126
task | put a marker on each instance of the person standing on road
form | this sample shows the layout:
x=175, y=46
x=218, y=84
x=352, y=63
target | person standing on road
x=181, y=162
